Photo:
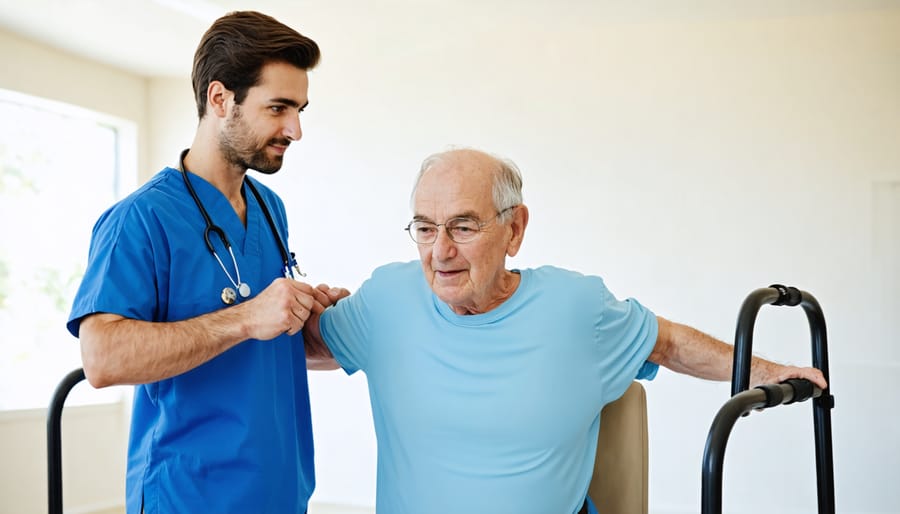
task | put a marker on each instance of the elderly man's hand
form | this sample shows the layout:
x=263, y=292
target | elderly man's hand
x=771, y=373
x=331, y=294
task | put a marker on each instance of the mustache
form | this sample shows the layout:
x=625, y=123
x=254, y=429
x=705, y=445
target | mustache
x=280, y=142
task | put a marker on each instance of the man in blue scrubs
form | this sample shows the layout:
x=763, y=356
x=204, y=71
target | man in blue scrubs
x=486, y=383
x=186, y=294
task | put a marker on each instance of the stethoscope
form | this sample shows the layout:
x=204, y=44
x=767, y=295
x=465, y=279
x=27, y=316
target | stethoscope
x=229, y=295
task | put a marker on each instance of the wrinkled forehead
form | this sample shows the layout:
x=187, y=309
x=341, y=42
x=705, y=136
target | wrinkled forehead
x=458, y=184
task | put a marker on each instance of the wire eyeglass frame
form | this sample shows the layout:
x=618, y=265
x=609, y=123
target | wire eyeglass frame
x=460, y=230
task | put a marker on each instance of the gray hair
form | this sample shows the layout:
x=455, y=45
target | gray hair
x=506, y=187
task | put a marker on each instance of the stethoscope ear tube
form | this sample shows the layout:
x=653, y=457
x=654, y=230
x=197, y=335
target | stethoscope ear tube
x=286, y=257
x=210, y=227
x=220, y=233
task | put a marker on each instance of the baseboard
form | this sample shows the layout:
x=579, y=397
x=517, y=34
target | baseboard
x=98, y=508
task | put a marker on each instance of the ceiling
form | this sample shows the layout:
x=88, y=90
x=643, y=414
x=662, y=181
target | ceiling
x=158, y=37
x=147, y=37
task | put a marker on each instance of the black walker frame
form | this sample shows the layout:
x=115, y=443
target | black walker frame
x=744, y=400
x=54, y=440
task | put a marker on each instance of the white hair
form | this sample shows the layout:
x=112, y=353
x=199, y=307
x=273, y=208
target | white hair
x=506, y=187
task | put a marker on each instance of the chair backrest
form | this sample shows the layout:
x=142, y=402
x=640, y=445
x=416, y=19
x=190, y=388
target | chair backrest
x=621, y=468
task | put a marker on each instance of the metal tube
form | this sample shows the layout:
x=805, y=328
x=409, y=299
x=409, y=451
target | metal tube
x=54, y=440
x=743, y=338
x=821, y=406
x=717, y=439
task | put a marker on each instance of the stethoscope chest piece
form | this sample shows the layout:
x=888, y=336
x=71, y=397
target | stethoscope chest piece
x=228, y=296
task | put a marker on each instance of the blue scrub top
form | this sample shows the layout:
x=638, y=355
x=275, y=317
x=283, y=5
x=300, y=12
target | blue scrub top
x=234, y=434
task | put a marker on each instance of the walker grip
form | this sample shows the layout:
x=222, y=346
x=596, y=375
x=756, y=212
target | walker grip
x=790, y=391
x=803, y=390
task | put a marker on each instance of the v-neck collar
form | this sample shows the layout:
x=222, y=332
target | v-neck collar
x=244, y=240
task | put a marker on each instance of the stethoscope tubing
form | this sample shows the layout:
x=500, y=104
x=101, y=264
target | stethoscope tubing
x=210, y=226
x=287, y=258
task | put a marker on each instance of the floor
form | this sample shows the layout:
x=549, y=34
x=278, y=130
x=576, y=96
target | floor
x=327, y=508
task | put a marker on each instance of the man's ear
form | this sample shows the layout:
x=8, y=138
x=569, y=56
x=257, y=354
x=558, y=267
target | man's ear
x=518, y=224
x=217, y=97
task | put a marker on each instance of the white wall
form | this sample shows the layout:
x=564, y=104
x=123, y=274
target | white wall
x=93, y=440
x=171, y=128
x=687, y=159
x=45, y=72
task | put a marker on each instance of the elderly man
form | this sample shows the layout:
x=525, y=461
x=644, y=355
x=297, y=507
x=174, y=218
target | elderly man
x=486, y=383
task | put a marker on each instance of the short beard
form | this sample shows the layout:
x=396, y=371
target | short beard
x=239, y=147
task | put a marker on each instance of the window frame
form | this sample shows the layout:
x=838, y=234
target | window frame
x=124, y=181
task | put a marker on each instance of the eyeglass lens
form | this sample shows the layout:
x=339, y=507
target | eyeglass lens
x=460, y=230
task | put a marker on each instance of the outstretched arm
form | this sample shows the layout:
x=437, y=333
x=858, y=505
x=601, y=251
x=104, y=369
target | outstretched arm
x=687, y=350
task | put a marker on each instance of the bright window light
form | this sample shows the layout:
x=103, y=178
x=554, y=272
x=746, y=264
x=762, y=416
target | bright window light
x=60, y=167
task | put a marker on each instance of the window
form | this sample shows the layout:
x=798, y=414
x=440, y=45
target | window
x=60, y=167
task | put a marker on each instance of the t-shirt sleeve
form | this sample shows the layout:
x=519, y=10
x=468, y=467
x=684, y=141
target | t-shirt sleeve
x=120, y=275
x=626, y=332
x=344, y=327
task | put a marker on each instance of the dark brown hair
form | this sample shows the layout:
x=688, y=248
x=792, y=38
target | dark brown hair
x=237, y=46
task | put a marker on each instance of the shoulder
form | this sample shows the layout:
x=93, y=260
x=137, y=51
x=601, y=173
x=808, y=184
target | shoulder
x=554, y=277
x=269, y=195
x=390, y=290
x=163, y=188
x=396, y=280
x=162, y=196
x=566, y=289
x=139, y=199
x=397, y=271
x=270, y=201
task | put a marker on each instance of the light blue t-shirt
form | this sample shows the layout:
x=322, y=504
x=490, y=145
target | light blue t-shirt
x=234, y=434
x=495, y=412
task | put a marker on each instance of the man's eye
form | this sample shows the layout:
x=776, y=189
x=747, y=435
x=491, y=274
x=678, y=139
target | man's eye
x=277, y=109
x=425, y=229
x=462, y=227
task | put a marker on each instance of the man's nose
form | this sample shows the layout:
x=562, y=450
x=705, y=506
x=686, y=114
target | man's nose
x=443, y=247
x=292, y=128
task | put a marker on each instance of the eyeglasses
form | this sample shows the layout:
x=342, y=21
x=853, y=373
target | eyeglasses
x=459, y=230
